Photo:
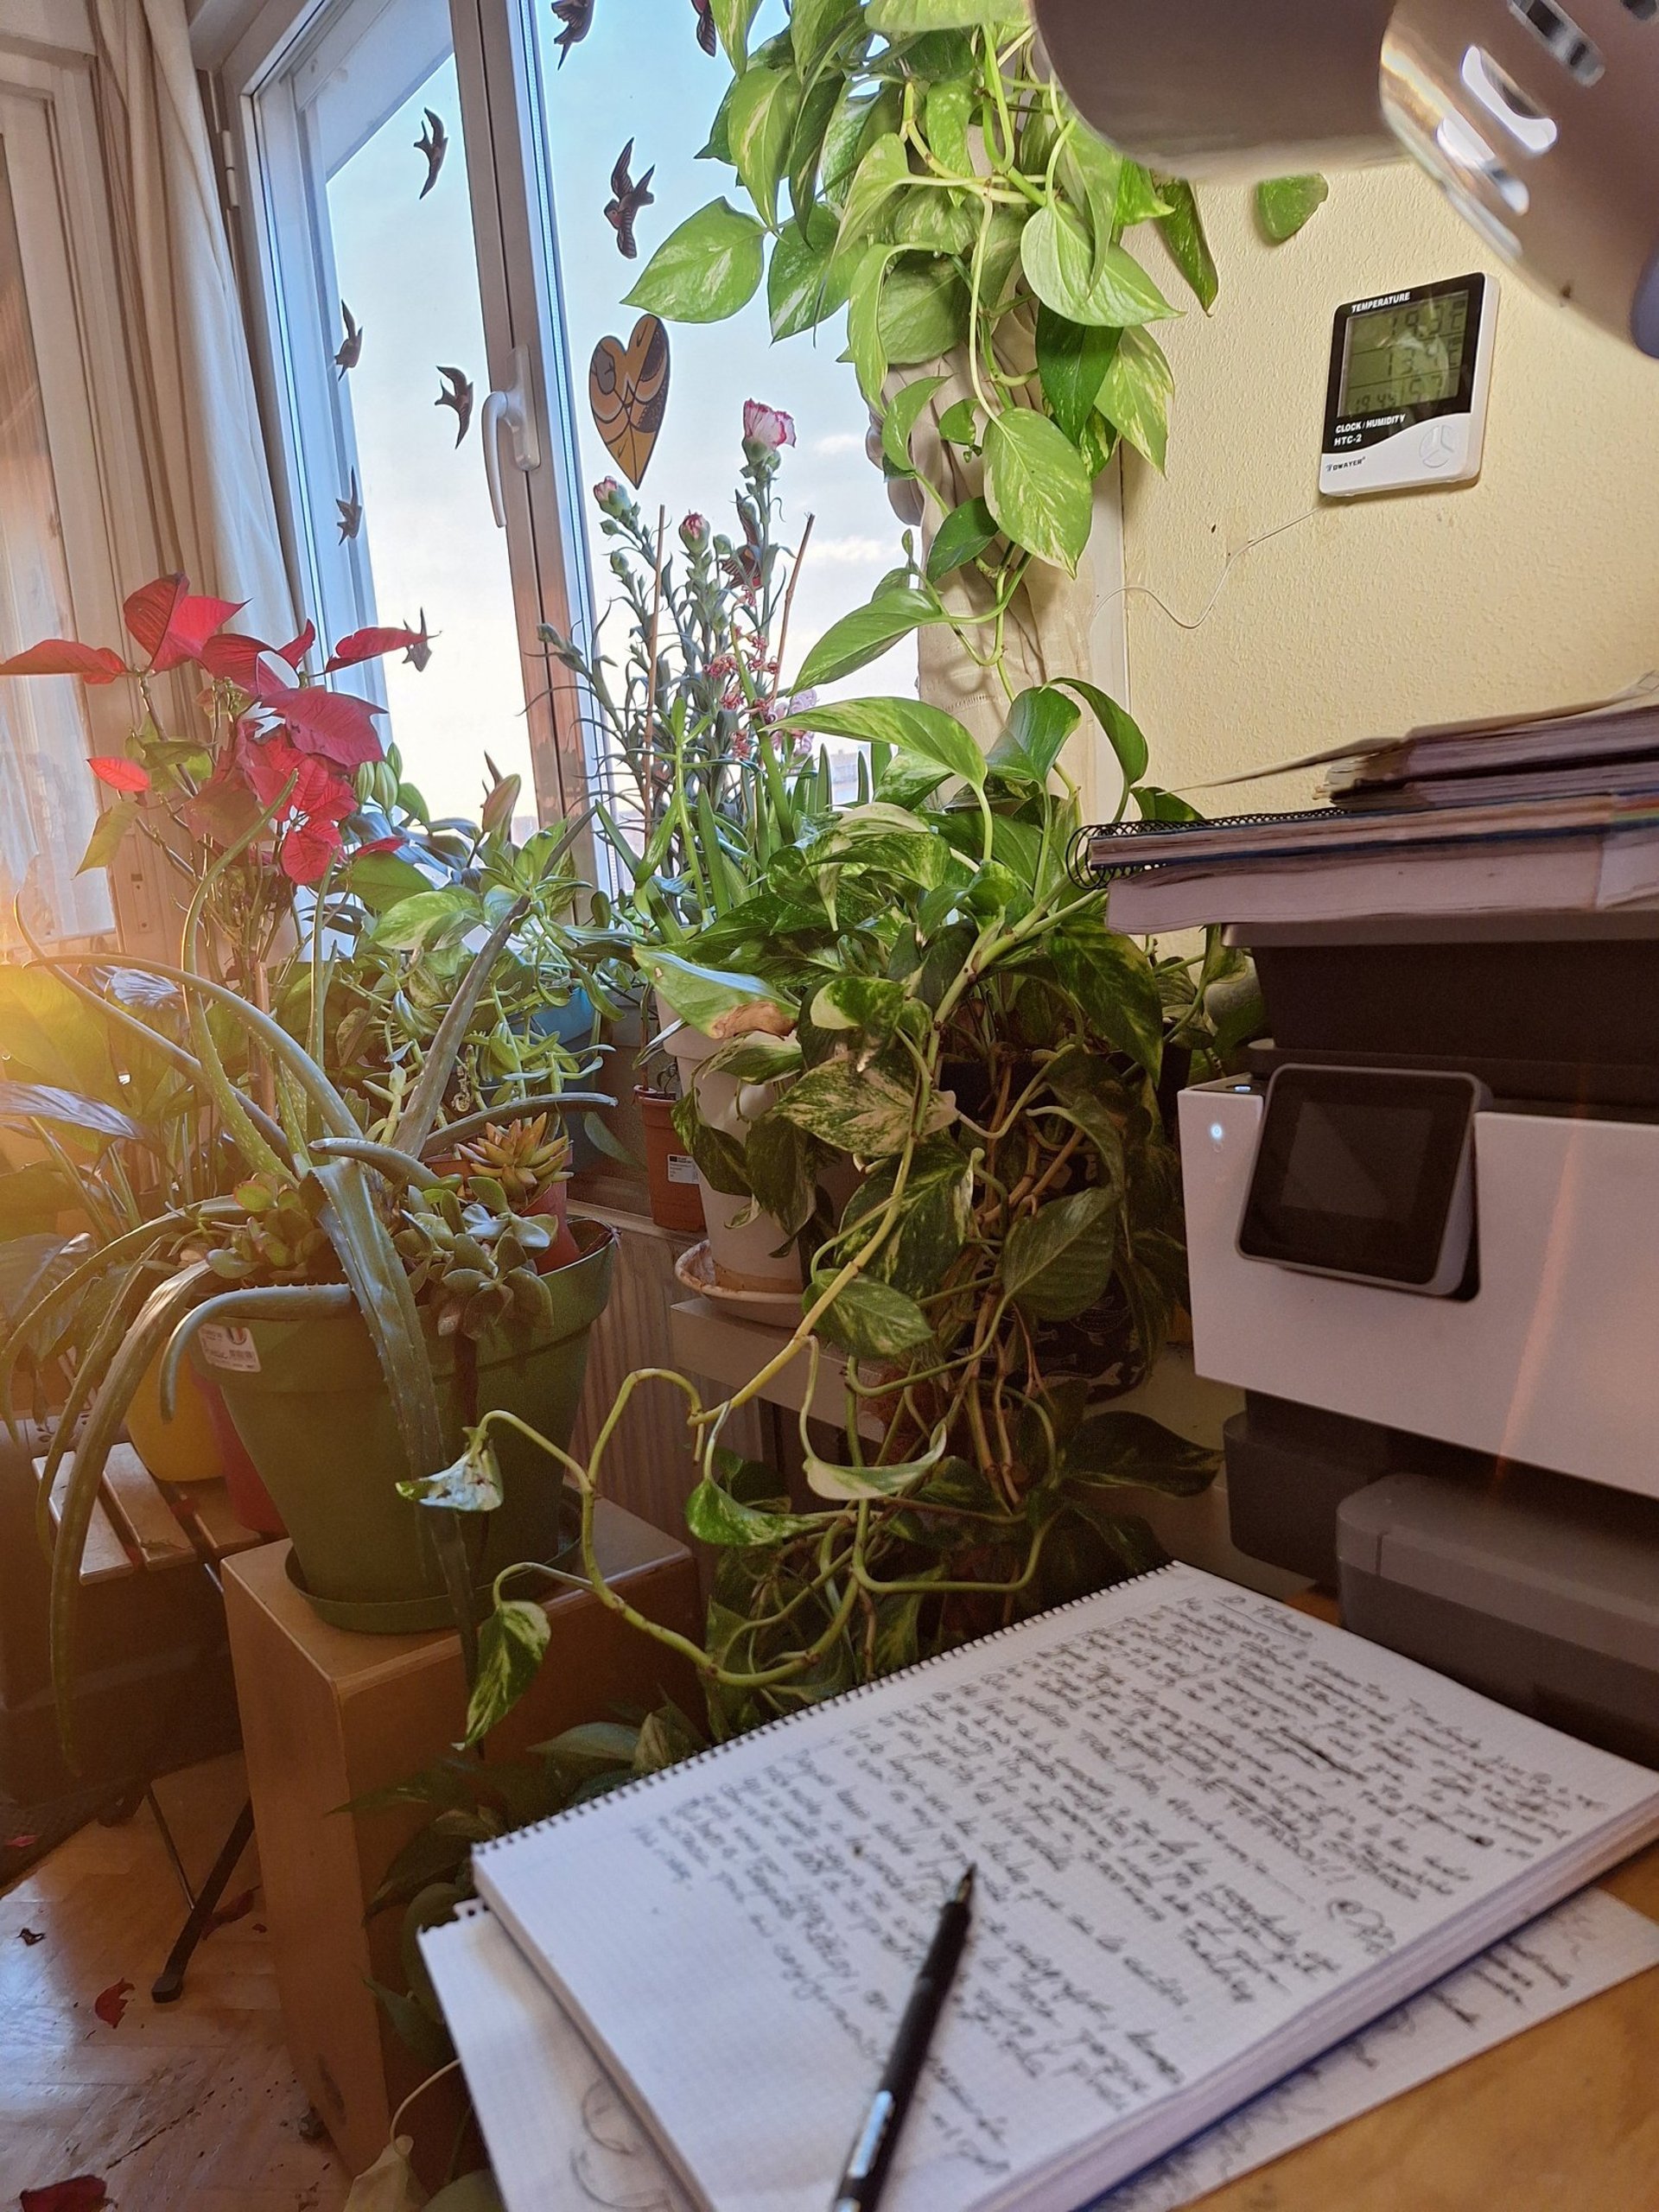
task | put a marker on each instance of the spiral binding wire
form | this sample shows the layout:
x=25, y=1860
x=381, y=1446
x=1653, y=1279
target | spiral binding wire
x=806, y=1712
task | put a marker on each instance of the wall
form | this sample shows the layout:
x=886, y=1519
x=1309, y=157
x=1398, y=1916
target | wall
x=1539, y=584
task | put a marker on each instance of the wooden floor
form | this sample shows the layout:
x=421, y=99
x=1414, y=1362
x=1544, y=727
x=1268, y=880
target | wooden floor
x=192, y=2107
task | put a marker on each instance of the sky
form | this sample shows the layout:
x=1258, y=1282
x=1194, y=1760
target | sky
x=406, y=267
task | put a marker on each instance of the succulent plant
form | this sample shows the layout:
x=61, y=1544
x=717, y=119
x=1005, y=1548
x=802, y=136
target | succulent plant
x=476, y=1267
x=519, y=1158
x=278, y=1242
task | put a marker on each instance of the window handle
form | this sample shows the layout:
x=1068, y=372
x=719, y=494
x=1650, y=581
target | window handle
x=510, y=410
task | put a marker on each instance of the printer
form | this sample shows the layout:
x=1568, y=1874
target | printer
x=1423, y=1237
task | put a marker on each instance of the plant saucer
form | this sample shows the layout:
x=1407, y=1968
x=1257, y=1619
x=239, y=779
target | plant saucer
x=695, y=1270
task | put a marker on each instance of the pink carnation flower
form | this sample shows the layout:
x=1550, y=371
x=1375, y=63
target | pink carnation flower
x=767, y=426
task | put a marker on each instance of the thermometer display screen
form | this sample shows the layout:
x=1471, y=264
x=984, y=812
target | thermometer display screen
x=1409, y=355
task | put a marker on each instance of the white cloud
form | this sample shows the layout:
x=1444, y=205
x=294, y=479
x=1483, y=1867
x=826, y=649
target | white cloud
x=839, y=441
x=852, y=552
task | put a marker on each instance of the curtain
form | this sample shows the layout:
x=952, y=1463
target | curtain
x=209, y=482
x=49, y=802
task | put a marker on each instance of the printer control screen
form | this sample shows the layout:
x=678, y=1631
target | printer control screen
x=1357, y=1172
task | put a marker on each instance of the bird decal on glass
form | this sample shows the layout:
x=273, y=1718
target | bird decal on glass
x=420, y=645
x=457, y=393
x=708, y=37
x=626, y=199
x=350, y=346
x=350, y=512
x=577, y=17
x=434, y=143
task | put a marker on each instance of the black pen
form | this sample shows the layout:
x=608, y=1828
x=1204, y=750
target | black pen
x=867, y=2165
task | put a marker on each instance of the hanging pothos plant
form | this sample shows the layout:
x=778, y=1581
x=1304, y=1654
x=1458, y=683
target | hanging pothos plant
x=904, y=158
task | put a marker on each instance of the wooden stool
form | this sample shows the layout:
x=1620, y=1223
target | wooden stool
x=139, y=1526
x=329, y=1717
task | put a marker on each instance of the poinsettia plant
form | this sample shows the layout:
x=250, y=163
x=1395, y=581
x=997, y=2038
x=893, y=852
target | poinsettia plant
x=274, y=745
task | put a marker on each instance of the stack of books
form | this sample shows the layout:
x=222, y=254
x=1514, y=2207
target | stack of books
x=1557, y=812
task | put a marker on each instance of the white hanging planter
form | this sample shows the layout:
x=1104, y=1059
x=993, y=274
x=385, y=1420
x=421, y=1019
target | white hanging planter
x=747, y=1255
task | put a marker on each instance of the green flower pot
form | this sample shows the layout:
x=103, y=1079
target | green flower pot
x=318, y=1424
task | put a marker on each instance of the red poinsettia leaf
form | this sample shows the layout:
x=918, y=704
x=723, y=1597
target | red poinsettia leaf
x=63, y=657
x=296, y=649
x=308, y=849
x=120, y=775
x=110, y=2003
x=85, y=2193
x=334, y=723
x=171, y=623
x=233, y=657
x=369, y=644
x=270, y=764
x=378, y=845
x=18, y=1842
x=225, y=808
x=238, y=1909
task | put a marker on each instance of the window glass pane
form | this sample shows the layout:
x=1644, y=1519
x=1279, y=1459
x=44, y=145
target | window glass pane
x=407, y=269
x=640, y=73
x=48, y=800
x=392, y=479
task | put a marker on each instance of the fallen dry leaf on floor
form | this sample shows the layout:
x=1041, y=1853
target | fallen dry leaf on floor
x=31, y=1935
x=238, y=1909
x=86, y=2193
x=19, y=1843
x=109, y=2005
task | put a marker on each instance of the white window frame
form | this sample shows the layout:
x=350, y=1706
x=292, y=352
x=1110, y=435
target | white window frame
x=287, y=249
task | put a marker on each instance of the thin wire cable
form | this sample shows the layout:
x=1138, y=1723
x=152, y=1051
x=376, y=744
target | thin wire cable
x=1144, y=591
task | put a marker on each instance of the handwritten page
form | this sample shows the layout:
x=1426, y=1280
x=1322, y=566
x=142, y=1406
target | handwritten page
x=562, y=2139
x=1213, y=1838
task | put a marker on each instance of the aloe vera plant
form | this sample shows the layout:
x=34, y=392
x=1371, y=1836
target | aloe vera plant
x=307, y=1223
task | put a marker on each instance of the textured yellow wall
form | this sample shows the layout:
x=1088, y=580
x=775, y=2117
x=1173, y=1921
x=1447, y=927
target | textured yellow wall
x=1539, y=584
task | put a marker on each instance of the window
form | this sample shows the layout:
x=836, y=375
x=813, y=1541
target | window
x=504, y=270
x=639, y=74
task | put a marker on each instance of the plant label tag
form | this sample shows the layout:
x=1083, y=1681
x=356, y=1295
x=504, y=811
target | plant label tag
x=682, y=1168
x=229, y=1347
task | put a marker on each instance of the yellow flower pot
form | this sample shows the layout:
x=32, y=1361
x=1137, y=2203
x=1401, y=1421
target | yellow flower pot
x=184, y=1449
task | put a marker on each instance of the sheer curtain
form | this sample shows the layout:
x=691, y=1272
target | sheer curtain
x=47, y=800
x=209, y=484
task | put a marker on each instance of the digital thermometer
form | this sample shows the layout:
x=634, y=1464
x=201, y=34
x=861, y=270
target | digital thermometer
x=1406, y=405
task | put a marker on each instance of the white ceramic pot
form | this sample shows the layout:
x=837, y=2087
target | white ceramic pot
x=746, y=1256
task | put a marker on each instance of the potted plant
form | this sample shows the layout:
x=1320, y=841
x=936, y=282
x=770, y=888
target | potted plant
x=326, y=1079
x=707, y=787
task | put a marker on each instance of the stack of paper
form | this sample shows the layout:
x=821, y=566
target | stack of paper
x=1213, y=1840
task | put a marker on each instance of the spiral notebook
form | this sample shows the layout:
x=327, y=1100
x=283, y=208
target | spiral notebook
x=1213, y=1838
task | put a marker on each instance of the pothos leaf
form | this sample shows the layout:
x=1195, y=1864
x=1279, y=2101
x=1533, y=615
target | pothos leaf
x=825, y=1478
x=1037, y=487
x=865, y=634
x=1056, y=1262
x=964, y=534
x=1135, y=395
x=758, y=126
x=1060, y=269
x=715, y=1516
x=898, y=424
x=870, y=1320
x=510, y=1648
x=706, y=269
x=1183, y=233
x=1284, y=204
